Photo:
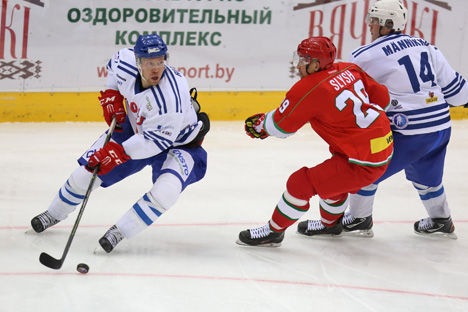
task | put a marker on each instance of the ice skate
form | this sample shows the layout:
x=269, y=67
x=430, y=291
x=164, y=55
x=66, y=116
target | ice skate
x=437, y=227
x=316, y=228
x=358, y=227
x=262, y=236
x=43, y=221
x=112, y=237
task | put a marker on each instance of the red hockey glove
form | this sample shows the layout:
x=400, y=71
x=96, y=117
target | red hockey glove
x=112, y=104
x=111, y=155
x=254, y=127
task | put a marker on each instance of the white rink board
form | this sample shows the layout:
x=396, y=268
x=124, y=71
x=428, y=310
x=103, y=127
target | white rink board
x=219, y=45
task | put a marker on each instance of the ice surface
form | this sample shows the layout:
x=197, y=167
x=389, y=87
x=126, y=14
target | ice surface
x=188, y=260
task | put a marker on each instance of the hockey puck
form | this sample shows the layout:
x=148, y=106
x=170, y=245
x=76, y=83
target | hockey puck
x=83, y=268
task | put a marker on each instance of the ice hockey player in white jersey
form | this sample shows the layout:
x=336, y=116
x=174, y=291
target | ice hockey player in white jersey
x=422, y=86
x=159, y=126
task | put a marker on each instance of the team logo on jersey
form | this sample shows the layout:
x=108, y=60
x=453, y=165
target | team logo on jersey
x=400, y=121
x=177, y=154
x=431, y=98
x=395, y=104
x=149, y=107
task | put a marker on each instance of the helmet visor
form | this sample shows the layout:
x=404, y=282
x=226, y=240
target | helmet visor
x=371, y=20
x=299, y=60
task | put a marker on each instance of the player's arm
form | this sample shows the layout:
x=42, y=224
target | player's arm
x=159, y=134
x=453, y=85
x=254, y=126
x=297, y=109
x=111, y=100
x=282, y=122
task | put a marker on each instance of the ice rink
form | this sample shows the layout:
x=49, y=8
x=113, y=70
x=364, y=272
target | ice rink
x=189, y=261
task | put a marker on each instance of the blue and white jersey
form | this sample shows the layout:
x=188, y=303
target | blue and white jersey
x=161, y=116
x=420, y=81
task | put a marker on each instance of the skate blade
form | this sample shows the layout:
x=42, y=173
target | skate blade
x=439, y=235
x=320, y=235
x=30, y=231
x=239, y=242
x=360, y=233
x=99, y=251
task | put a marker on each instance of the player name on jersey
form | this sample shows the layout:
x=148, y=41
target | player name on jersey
x=342, y=80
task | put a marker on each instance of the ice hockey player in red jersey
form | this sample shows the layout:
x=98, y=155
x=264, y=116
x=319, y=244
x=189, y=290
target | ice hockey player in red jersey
x=345, y=106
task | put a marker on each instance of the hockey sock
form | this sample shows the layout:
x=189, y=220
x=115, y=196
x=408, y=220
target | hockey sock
x=332, y=209
x=71, y=194
x=361, y=204
x=130, y=224
x=288, y=210
x=148, y=209
x=434, y=200
x=163, y=195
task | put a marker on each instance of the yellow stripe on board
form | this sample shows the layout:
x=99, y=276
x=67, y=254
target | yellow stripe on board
x=84, y=106
x=458, y=113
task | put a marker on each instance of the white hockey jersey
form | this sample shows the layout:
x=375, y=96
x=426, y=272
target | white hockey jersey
x=162, y=116
x=420, y=81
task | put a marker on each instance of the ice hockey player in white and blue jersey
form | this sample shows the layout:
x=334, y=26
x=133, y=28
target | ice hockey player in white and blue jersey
x=422, y=86
x=159, y=126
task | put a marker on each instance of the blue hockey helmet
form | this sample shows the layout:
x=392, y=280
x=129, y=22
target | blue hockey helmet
x=150, y=46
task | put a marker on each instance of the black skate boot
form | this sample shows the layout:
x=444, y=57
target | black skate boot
x=360, y=227
x=435, y=227
x=43, y=221
x=262, y=236
x=111, y=239
x=316, y=228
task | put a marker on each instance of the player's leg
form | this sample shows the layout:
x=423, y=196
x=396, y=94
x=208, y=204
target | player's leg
x=173, y=171
x=69, y=196
x=439, y=221
x=330, y=209
x=347, y=178
x=162, y=196
x=407, y=149
x=357, y=221
x=332, y=180
x=426, y=175
x=293, y=204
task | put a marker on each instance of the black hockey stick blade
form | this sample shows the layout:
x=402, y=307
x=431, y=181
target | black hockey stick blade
x=50, y=261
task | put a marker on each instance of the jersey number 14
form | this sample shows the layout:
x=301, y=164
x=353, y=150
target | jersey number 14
x=425, y=72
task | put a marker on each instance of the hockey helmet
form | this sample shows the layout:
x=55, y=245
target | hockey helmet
x=390, y=13
x=150, y=46
x=320, y=48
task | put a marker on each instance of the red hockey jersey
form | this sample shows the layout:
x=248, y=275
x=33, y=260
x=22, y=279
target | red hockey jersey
x=345, y=106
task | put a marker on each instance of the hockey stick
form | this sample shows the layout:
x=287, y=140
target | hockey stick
x=50, y=261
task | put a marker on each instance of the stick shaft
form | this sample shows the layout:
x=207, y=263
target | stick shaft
x=50, y=261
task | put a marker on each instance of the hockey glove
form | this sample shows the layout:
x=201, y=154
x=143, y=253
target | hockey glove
x=112, y=104
x=254, y=127
x=111, y=155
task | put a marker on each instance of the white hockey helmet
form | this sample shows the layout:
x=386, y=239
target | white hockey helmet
x=389, y=11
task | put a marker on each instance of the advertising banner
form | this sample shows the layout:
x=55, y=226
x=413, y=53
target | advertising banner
x=219, y=45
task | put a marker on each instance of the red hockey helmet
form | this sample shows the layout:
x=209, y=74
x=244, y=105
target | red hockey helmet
x=320, y=48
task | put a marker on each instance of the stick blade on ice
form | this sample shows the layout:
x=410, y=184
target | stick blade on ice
x=50, y=261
